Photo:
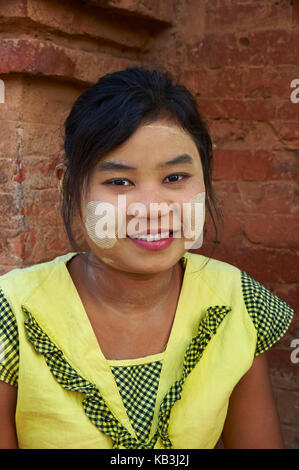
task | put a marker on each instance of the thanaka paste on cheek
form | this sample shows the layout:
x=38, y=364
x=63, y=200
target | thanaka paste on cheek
x=103, y=232
x=194, y=221
x=94, y=225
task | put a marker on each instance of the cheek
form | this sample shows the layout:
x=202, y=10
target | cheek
x=96, y=219
x=194, y=222
x=198, y=204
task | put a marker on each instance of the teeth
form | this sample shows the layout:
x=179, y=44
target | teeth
x=151, y=238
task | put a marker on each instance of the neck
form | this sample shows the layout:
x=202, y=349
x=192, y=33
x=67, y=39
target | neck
x=129, y=293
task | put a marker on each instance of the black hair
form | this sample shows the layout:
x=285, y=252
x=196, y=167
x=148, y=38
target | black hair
x=110, y=111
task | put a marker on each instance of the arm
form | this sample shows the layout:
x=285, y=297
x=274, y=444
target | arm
x=252, y=421
x=8, y=400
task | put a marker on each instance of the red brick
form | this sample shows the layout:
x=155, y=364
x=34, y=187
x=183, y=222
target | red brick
x=32, y=210
x=6, y=256
x=17, y=245
x=47, y=236
x=288, y=111
x=21, y=55
x=283, y=377
x=13, y=8
x=273, y=47
x=230, y=164
x=7, y=170
x=266, y=265
x=11, y=138
x=256, y=165
x=41, y=203
x=158, y=10
x=42, y=57
x=275, y=231
x=42, y=140
x=285, y=165
x=288, y=132
x=233, y=230
x=213, y=51
x=10, y=110
x=250, y=197
x=288, y=406
x=50, y=240
x=290, y=292
x=213, y=83
x=257, y=110
x=40, y=172
x=290, y=435
x=222, y=16
x=9, y=217
x=269, y=266
x=276, y=197
x=243, y=135
x=295, y=13
x=90, y=22
x=266, y=82
x=280, y=360
x=47, y=101
x=20, y=173
x=93, y=23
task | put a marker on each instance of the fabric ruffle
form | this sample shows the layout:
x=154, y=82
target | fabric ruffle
x=94, y=405
x=206, y=330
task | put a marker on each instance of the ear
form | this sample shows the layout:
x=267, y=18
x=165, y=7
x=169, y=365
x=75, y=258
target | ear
x=60, y=169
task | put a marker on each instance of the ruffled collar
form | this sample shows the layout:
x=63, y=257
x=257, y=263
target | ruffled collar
x=50, y=324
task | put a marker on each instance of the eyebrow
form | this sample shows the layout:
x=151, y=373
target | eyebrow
x=108, y=165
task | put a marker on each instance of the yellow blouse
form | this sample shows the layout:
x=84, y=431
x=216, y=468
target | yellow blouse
x=68, y=396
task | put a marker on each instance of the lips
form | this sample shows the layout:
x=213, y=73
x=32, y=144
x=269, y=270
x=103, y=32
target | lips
x=151, y=244
x=151, y=232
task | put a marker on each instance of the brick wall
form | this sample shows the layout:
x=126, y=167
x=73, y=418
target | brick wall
x=241, y=65
x=238, y=57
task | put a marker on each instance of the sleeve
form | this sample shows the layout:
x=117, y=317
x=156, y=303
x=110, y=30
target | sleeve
x=270, y=315
x=9, y=343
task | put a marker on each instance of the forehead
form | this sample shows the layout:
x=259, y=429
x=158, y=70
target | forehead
x=158, y=138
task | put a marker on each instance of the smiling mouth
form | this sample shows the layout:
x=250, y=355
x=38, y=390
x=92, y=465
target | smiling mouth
x=152, y=237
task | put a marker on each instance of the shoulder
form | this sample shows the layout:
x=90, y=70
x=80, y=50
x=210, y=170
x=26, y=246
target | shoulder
x=220, y=278
x=22, y=281
x=270, y=315
x=15, y=286
x=211, y=264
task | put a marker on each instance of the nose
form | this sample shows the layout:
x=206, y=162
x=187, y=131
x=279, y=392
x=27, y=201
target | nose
x=154, y=211
x=149, y=201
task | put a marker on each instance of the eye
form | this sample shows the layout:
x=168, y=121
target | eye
x=117, y=182
x=174, y=177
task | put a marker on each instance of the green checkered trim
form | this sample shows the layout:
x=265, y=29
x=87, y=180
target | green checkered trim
x=270, y=315
x=9, y=343
x=138, y=385
x=206, y=330
x=94, y=405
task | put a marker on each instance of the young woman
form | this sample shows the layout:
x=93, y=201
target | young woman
x=137, y=342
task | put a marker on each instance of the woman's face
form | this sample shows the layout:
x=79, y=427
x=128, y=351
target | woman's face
x=135, y=176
